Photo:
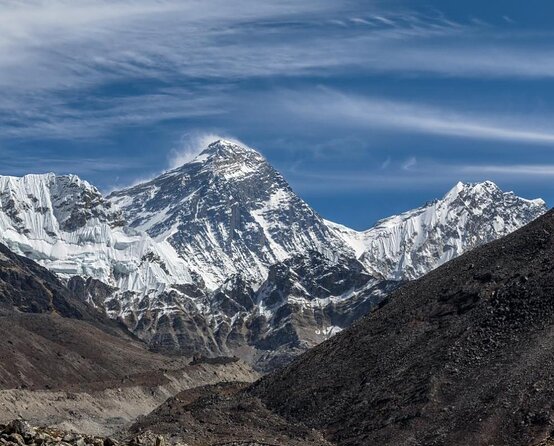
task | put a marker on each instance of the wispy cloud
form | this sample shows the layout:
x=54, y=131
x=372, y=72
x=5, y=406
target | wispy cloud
x=410, y=163
x=58, y=57
x=18, y=164
x=96, y=117
x=366, y=111
x=512, y=170
x=429, y=174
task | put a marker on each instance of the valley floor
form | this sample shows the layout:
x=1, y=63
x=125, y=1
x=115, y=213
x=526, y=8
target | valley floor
x=103, y=408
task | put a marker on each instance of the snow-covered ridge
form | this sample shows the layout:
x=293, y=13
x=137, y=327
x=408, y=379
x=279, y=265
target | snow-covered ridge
x=409, y=245
x=65, y=224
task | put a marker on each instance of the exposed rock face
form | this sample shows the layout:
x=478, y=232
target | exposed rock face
x=91, y=372
x=306, y=300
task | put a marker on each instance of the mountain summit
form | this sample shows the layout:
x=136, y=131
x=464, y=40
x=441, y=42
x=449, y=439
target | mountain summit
x=409, y=245
x=227, y=212
x=225, y=149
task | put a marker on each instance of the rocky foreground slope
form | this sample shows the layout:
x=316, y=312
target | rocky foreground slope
x=461, y=356
x=20, y=433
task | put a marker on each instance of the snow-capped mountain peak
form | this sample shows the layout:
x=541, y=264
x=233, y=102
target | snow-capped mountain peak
x=411, y=244
x=223, y=149
x=228, y=159
x=226, y=212
x=471, y=193
x=65, y=202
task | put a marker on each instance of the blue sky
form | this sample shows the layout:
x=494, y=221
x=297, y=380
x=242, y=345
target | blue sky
x=368, y=108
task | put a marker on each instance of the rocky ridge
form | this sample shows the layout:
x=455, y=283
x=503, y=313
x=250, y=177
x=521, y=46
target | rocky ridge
x=409, y=245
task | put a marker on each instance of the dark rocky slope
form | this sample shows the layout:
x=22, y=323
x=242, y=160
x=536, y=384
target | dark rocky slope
x=223, y=415
x=462, y=356
x=51, y=339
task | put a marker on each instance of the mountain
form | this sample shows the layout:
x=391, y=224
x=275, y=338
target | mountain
x=221, y=257
x=460, y=356
x=409, y=245
x=65, y=224
x=227, y=212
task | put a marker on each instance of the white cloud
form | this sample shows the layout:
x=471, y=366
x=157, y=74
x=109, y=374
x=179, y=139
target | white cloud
x=102, y=115
x=513, y=170
x=410, y=163
x=425, y=175
x=366, y=111
x=56, y=54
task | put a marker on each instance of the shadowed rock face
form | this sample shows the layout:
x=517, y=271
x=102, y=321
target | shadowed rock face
x=461, y=356
x=52, y=339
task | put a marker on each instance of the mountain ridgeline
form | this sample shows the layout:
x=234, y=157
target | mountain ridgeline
x=221, y=257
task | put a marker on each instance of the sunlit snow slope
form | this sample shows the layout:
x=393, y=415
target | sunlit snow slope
x=65, y=224
x=409, y=245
